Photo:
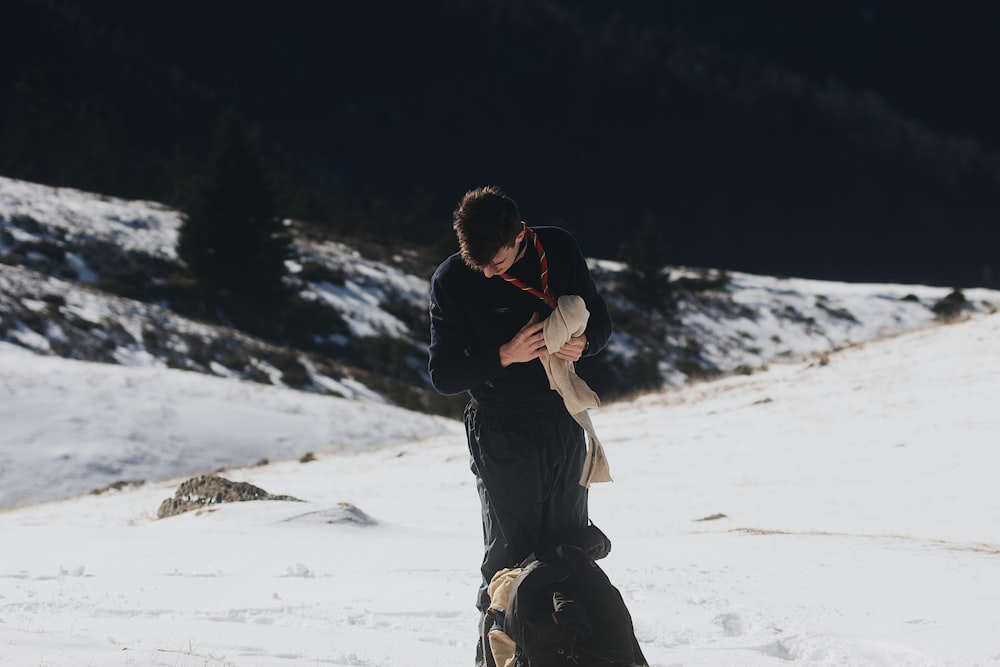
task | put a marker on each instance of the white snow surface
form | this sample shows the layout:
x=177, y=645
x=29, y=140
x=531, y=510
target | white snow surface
x=853, y=490
x=367, y=285
x=859, y=500
x=133, y=225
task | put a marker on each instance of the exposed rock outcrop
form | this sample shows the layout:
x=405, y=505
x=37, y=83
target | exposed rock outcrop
x=207, y=490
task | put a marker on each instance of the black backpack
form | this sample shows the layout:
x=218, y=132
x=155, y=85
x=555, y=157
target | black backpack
x=563, y=610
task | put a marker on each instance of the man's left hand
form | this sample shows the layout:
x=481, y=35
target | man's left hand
x=572, y=349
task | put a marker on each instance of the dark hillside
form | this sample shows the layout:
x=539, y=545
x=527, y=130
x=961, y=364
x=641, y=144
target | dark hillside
x=837, y=143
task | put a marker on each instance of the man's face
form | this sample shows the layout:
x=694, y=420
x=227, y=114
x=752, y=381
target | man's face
x=504, y=259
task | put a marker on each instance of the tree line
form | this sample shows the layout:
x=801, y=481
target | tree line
x=373, y=118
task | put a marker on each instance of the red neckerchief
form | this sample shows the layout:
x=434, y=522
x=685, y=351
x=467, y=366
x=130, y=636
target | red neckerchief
x=545, y=294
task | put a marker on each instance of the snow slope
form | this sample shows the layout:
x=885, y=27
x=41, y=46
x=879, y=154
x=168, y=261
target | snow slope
x=859, y=498
x=136, y=226
x=837, y=508
x=56, y=244
x=72, y=427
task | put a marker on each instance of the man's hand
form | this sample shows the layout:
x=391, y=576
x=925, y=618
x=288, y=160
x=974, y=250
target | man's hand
x=527, y=344
x=572, y=349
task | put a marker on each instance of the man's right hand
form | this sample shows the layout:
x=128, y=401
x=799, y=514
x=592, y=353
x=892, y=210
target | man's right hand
x=527, y=344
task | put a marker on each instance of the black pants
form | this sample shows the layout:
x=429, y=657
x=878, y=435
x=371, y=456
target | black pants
x=527, y=466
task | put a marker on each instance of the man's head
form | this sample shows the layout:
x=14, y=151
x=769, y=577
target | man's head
x=488, y=225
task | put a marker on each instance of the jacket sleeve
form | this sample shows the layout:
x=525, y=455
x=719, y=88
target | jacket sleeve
x=454, y=362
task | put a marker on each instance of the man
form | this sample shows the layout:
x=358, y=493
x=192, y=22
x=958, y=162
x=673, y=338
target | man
x=488, y=304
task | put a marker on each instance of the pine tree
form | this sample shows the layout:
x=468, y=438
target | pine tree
x=231, y=240
x=646, y=281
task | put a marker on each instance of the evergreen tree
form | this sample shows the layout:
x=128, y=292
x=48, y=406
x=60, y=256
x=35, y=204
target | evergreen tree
x=646, y=281
x=231, y=239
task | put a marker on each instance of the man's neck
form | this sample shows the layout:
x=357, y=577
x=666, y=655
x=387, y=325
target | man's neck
x=520, y=252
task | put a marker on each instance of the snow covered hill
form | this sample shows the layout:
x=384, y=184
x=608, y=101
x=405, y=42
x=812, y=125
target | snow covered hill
x=820, y=513
x=827, y=499
x=83, y=426
x=90, y=277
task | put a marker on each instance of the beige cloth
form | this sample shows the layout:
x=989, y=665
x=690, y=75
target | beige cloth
x=501, y=645
x=503, y=648
x=499, y=588
x=568, y=320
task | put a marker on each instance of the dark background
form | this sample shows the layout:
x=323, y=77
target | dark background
x=843, y=140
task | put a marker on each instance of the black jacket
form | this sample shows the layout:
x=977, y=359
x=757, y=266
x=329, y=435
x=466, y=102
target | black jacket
x=472, y=316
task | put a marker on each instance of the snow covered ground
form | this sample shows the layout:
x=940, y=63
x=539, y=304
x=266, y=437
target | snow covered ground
x=132, y=225
x=73, y=427
x=859, y=497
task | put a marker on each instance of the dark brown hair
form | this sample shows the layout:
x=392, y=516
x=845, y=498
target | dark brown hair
x=485, y=221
